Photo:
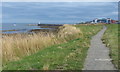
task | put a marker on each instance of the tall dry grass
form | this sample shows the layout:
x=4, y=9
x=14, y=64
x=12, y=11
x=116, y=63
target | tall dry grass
x=69, y=32
x=20, y=45
x=0, y=52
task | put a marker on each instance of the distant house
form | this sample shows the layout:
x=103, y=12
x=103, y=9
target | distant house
x=103, y=20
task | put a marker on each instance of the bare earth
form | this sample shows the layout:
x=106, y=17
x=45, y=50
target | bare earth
x=98, y=54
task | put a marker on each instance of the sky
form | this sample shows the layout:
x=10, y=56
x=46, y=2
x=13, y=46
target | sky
x=59, y=0
x=57, y=12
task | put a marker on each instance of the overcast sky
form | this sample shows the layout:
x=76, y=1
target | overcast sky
x=59, y=0
x=57, y=12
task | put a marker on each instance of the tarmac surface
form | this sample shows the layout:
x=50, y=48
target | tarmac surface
x=98, y=54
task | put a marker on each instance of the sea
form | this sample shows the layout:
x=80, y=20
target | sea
x=8, y=28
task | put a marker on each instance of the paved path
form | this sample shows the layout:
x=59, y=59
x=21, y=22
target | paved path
x=98, y=54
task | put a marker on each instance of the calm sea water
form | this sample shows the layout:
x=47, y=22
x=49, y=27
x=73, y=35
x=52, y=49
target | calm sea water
x=20, y=27
x=16, y=26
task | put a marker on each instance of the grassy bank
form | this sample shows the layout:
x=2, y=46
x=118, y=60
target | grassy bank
x=67, y=55
x=16, y=46
x=0, y=52
x=110, y=38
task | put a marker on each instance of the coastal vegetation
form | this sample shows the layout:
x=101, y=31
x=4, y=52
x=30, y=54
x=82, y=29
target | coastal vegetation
x=0, y=52
x=62, y=51
x=110, y=38
x=17, y=46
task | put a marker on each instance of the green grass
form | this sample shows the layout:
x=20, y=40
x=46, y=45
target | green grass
x=110, y=38
x=17, y=46
x=66, y=56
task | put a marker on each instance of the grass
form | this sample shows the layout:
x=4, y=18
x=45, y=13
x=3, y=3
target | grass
x=69, y=55
x=0, y=52
x=19, y=45
x=110, y=38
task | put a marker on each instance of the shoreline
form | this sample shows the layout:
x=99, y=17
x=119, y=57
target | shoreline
x=42, y=28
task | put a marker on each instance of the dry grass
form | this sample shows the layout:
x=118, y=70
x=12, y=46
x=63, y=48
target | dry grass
x=69, y=32
x=15, y=47
x=20, y=45
x=0, y=51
